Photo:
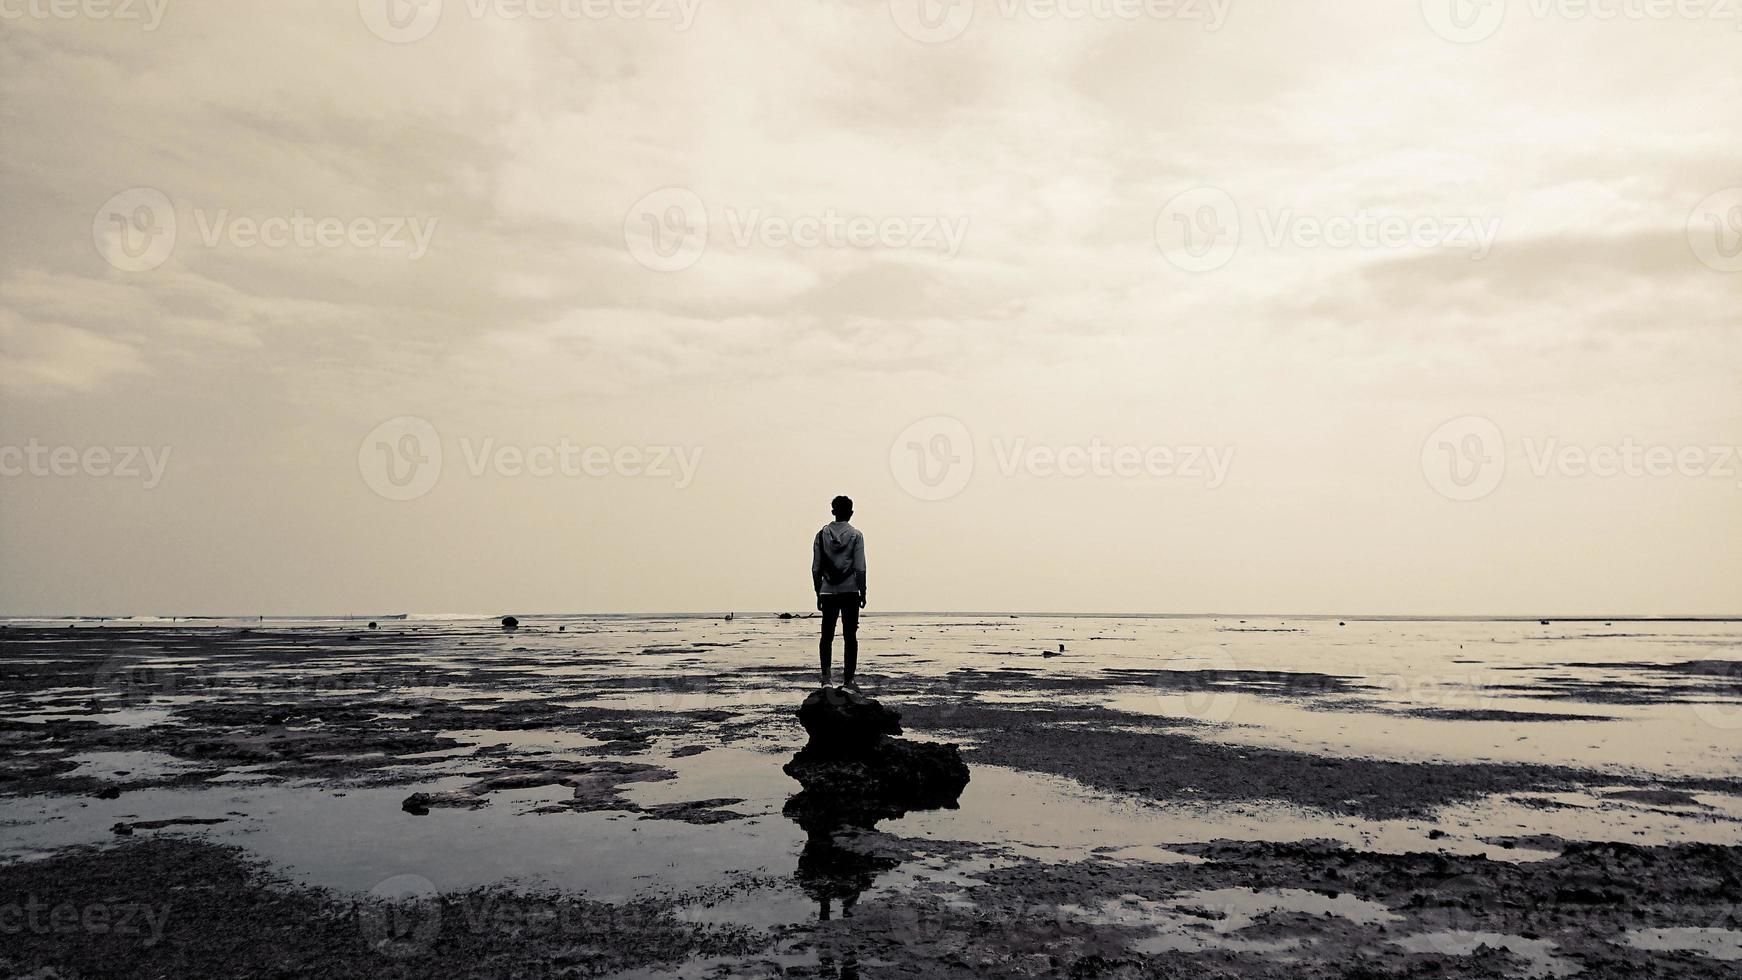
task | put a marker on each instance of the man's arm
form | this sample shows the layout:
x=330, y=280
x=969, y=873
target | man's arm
x=859, y=564
x=817, y=568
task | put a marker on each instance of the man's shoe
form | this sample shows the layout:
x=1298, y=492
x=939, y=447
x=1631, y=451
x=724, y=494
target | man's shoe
x=851, y=686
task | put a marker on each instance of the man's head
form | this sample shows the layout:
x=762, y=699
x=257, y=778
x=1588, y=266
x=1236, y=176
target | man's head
x=842, y=506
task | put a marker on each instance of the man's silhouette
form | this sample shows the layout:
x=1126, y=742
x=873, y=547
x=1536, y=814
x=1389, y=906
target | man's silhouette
x=838, y=576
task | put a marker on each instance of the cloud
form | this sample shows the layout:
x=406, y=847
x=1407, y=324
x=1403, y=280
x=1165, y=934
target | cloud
x=49, y=359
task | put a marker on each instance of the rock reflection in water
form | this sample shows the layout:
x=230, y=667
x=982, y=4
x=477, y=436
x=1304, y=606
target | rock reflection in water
x=855, y=772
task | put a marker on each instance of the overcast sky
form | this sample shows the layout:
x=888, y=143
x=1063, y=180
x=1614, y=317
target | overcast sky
x=1262, y=305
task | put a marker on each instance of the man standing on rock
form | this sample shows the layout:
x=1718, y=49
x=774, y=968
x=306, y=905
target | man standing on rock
x=838, y=576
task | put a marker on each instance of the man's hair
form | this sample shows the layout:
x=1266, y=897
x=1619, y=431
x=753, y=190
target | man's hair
x=842, y=505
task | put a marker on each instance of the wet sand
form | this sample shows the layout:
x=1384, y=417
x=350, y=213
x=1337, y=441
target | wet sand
x=603, y=796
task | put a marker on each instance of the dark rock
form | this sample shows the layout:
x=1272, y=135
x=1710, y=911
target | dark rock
x=890, y=778
x=854, y=768
x=841, y=722
x=374, y=625
x=695, y=811
x=595, y=785
x=509, y=622
x=126, y=828
x=786, y=615
x=420, y=804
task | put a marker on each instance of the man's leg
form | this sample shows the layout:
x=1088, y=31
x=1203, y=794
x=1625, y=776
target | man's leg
x=830, y=611
x=849, y=638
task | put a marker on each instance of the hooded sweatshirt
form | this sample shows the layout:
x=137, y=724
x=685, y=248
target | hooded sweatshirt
x=838, y=556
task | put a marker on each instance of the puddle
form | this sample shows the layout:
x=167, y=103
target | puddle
x=1540, y=953
x=1241, y=907
x=355, y=841
x=1208, y=920
x=1719, y=944
x=521, y=740
x=129, y=765
x=1176, y=928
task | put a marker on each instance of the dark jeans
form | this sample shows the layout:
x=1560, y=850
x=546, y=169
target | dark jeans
x=846, y=606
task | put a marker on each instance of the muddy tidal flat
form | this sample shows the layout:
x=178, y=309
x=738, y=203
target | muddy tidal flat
x=603, y=796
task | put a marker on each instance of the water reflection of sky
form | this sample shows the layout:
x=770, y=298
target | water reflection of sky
x=355, y=837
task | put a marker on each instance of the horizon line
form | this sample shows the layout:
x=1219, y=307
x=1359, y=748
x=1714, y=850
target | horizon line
x=1007, y=613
